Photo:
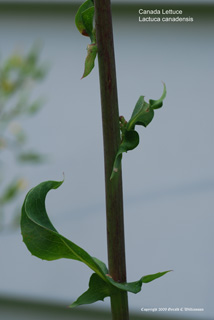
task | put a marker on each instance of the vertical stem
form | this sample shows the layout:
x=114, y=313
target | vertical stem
x=111, y=137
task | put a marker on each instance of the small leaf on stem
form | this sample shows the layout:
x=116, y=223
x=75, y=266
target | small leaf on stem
x=84, y=18
x=90, y=58
x=142, y=115
x=87, y=18
x=129, y=142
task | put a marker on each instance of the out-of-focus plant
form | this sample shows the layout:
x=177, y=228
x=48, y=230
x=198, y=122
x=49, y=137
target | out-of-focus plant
x=18, y=76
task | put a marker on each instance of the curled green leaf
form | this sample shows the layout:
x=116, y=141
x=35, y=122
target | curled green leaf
x=90, y=58
x=84, y=18
x=142, y=114
x=40, y=236
x=156, y=104
x=87, y=18
x=129, y=142
x=84, y=21
x=44, y=242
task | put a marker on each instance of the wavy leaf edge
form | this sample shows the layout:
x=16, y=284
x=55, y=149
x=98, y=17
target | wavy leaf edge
x=142, y=115
x=37, y=230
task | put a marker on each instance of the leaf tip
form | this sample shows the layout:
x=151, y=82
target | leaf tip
x=114, y=171
x=84, y=33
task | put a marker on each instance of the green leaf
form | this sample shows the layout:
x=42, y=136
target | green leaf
x=129, y=142
x=89, y=61
x=135, y=286
x=82, y=18
x=151, y=277
x=101, y=265
x=98, y=290
x=43, y=241
x=11, y=191
x=87, y=18
x=31, y=156
x=142, y=114
x=156, y=104
x=138, y=106
x=35, y=107
x=40, y=236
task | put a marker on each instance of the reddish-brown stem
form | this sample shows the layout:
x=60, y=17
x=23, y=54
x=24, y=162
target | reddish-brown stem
x=111, y=138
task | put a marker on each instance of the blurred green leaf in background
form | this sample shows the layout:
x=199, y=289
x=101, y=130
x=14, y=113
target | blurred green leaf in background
x=19, y=74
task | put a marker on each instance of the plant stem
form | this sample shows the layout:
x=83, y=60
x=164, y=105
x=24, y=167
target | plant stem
x=111, y=137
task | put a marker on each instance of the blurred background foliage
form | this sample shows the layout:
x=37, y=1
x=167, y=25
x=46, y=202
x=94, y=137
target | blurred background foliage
x=19, y=75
